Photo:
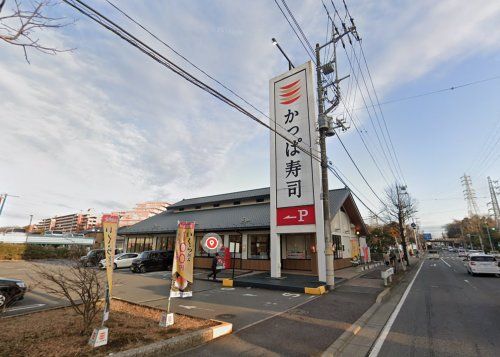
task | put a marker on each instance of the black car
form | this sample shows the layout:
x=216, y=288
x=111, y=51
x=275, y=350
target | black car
x=11, y=290
x=152, y=260
x=94, y=257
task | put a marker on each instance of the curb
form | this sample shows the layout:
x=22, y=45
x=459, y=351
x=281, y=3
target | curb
x=336, y=347
x=180, y=343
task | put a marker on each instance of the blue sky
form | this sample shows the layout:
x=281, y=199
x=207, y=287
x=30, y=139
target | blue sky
x=104, y=126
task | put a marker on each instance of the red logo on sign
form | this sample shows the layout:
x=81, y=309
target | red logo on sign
x=212, y=243
x=290, y=92
x=298, y=215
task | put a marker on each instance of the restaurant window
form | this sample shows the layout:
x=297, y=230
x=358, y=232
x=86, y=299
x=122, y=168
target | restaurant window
x=148, y=244
x=166, y=243
x=131, y=245
x=235, y=243
x=337, y=243
x=139, y=244
x=259, y=246
x=295, y=247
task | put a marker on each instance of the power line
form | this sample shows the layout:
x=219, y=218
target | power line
x=359, y=171
x=447, y=89
x=126, y=36
x=298, y=27
x=199, y=69
x=381, y=112
x=393, y=152
x=355, y=195
x=296, y=34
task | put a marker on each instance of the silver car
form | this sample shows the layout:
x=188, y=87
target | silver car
x=123, y=260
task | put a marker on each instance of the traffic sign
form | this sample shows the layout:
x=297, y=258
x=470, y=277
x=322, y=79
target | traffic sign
x=211, y=242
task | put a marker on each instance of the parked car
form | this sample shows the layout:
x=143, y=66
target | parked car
x=462, y=253
x=94, y=257
x=482, y=264
x=123, y=260
x=152, y=260
x=11, y=290
x=433, y=254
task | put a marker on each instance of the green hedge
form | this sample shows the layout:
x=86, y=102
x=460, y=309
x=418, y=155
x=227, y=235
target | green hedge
x=33, y=251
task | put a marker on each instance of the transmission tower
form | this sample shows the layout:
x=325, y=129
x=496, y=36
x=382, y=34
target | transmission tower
x=494, y=202
x=469, y=195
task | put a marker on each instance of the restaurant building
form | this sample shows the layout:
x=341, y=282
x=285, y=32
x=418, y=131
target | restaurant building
x=242, y=219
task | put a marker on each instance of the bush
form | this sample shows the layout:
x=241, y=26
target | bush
x=33, y=251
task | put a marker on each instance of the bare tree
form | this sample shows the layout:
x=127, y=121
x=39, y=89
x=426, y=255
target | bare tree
x=82, y=287
x=26, y=20
x=400, y=207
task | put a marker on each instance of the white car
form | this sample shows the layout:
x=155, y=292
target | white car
x=123, y=260
x=462, y=253
x=482, y=264
x=432, y=254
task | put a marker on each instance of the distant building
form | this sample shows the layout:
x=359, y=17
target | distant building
x=70, y=223
x=141, y=212
x=46, y=224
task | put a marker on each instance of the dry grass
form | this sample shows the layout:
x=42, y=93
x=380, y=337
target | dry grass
x=56, y=332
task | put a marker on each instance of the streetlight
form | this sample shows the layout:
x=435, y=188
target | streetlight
x=290, y=64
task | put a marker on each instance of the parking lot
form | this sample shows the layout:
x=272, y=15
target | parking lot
x=241, y=306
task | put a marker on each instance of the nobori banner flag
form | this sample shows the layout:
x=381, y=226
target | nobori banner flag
x=182, y=268
x=109, y=229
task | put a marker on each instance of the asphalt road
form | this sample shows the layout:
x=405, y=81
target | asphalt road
x=447, y=313
x=35, y=299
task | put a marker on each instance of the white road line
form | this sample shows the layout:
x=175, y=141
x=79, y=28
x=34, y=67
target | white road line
x=468, y=282
x=380, y=340
x=449, y=266
x=25, y=307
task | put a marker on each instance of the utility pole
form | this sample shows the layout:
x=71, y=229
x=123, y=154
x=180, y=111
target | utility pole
x=29, y=227
x=3, y=198
x=489, y=236
x=330, y=274
x=326, y=128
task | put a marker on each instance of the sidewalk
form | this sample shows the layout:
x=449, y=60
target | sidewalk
x=289, y=281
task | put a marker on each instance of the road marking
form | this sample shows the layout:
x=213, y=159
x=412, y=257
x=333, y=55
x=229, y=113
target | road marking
x=449, y=266
x=291, y=295
x=249, y=295
x=227, y=289
x=190, y=307
x=25, y=307
x=380, y=340
x=468, y=282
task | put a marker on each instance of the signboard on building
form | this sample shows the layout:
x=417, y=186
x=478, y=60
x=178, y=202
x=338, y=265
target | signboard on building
x=211, y=242
x=296, y=205
x=182, y=267
x=295, y=136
